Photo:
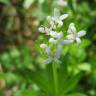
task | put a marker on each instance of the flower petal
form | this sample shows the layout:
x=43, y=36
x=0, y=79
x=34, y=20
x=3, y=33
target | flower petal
x=60, y=23
x=59, y=35
x=52, y=24
x=55, y=34
x=81, y=33
x=49, y=60
x=52, y=33
x=52, y=40
x=56, y=13
x=62, y=17
x=47, y=30
x=72, y=29
x=66, y=42
x=57, y=61
x=78, y=41
x=71, y=37
x=59, y=50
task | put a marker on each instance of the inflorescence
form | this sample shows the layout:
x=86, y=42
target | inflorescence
x=53, y=48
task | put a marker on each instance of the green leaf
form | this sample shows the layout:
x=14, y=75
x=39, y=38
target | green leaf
x=14, y=53
x=39, y=77
x=5, y=57
x=26, y=56
x=70, y=84
x=12, y=78
x=7, y=2
x=77, y=94
x=85, y=43
x=25, y=93
x=85, y=67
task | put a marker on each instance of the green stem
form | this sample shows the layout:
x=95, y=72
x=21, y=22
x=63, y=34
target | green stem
x=55, y=77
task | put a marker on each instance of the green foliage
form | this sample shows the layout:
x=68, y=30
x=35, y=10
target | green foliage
x=22, y=65
x=7, y=2
x=25, y=93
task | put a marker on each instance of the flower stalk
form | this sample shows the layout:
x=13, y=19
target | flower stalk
x=55, y=79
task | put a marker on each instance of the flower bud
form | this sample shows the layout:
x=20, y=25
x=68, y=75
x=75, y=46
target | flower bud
x=43, y=46
x=48, y=18
x=41, y=29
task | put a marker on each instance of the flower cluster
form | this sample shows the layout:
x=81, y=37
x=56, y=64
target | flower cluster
x=53, y=48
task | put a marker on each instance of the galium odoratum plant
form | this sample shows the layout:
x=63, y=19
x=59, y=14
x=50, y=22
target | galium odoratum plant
x=53, y=49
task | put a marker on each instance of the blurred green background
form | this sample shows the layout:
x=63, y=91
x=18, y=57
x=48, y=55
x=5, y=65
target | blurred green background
x=19, y=39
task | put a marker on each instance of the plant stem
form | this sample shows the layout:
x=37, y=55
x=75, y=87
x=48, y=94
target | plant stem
x=55, y=77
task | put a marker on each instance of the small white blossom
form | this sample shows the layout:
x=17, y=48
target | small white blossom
x=56, y=34
x=56, y=59
x=48, y=60
x=61, y=42
x=41, y=29
x=74, y=35
x=59, y=50
x=62, y=2
x=52, y=58
x=44, y=30
x=56, y=18
x=71, y=29
x=52, y=40
x=43, y=46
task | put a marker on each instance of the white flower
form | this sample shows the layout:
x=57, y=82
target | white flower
x=74, y=35
x=52, y=40
x=44, y=30
x=48, y=60
x=52, y=58
x=62, y=2
x=56, y=19
x=43, y=46
x=72, y=29
x=57, y=60
x=60, y=43
x=56, y=34
x=41, y=29
x=59, y=50
x=46, y=48
x=59, y=35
